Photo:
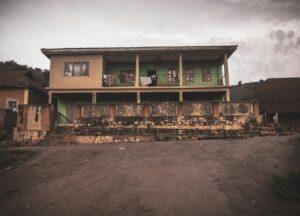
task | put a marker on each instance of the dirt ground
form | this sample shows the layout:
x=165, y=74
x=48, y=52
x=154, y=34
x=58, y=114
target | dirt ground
x=213, y=177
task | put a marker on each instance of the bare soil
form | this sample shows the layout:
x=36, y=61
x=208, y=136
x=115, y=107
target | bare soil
x=212, y=177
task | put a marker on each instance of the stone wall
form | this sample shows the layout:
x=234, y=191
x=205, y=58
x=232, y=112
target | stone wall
x=197, y=109
x=129, y=110
x=164, y=109
x=33, y=122
x=159, y=111
x=235, y=109
x=95, y=110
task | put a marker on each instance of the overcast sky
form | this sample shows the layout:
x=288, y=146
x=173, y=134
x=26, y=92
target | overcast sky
x=267, y=31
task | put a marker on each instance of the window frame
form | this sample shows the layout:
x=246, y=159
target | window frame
x=125, y=80
x=189, y=74
x=8, y=100
x=175, y=78
x=70, y=73
x=206, y=74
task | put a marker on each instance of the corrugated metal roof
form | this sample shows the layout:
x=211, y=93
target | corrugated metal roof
x=280, y=95
x=161, y=49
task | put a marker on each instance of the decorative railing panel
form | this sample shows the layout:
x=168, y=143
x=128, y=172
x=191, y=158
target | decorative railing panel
x=200, y=79
x=197, y=109
x=129, y=110
x=164, y=109
x=94, y=110
x=229, y=109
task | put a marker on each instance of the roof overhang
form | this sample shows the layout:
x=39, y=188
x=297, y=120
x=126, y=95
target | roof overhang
x=142, y=50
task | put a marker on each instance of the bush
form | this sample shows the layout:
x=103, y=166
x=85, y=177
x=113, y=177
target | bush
x=287, y=187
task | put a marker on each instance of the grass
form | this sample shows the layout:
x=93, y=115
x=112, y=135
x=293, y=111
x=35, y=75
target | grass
x=287, y=187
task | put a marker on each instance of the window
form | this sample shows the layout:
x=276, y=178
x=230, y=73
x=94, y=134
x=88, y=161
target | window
x=127, y=76
x=189, y=74
x=206, y=75
x=12, y=105
x=76, y=69
x=172, y=75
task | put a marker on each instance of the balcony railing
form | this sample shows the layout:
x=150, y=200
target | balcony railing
x=113, y=80
x=212, y=79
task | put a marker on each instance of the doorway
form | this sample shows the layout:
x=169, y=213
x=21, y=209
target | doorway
x=152, y=74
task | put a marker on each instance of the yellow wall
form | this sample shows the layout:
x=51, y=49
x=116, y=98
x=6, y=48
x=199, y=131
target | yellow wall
x=17, y=94
x=59, y=81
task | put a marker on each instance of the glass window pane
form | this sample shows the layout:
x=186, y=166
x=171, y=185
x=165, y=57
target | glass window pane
x=76, y=69
x=68, y=69
x=85, y=69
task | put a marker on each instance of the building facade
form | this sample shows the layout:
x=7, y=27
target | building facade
x=137, y=75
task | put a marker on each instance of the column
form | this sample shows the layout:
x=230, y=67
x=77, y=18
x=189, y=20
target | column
x=227, y=94
x=226, y=77
x=256, y=108
x=180, y=70
x=138, y=97
x=101, y=71
x=94, y=98
x=49, y=98
x=137, y=71
x=226, y=70
x=26, y=94
x=181, y=96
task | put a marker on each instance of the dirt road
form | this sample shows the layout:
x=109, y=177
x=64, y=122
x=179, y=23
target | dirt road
x=215, y=177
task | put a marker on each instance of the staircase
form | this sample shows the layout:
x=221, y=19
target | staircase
x=62, y=135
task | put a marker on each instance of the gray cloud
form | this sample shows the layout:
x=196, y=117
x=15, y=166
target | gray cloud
x=284, y=41
x=267, y=31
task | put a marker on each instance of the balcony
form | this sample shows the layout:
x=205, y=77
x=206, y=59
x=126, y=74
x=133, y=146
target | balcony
x=163, y=70
x=119, y=71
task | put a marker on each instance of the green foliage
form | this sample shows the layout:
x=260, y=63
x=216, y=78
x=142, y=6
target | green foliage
x=39, y=75
x=287, y=187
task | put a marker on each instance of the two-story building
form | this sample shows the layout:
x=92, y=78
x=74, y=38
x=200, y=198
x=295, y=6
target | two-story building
x=137, y=74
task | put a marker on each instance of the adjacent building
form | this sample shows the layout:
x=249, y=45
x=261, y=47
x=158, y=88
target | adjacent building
x=19, y=88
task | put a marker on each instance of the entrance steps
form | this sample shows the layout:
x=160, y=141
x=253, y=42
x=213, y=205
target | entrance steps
x=67, y=135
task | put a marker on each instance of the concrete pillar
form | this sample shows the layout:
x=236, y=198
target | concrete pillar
x=228, y=95
x=26, y=94
x=256, y=108
x=180, y=109
x=49, y=98
x=180, y=96
x=146, y=110
x=180, y=70
x=215, y=109
x=112, y=111
x=226, y=69
x=137, y=71
x=102, y=71
x=94, y=98
x=138, y=97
